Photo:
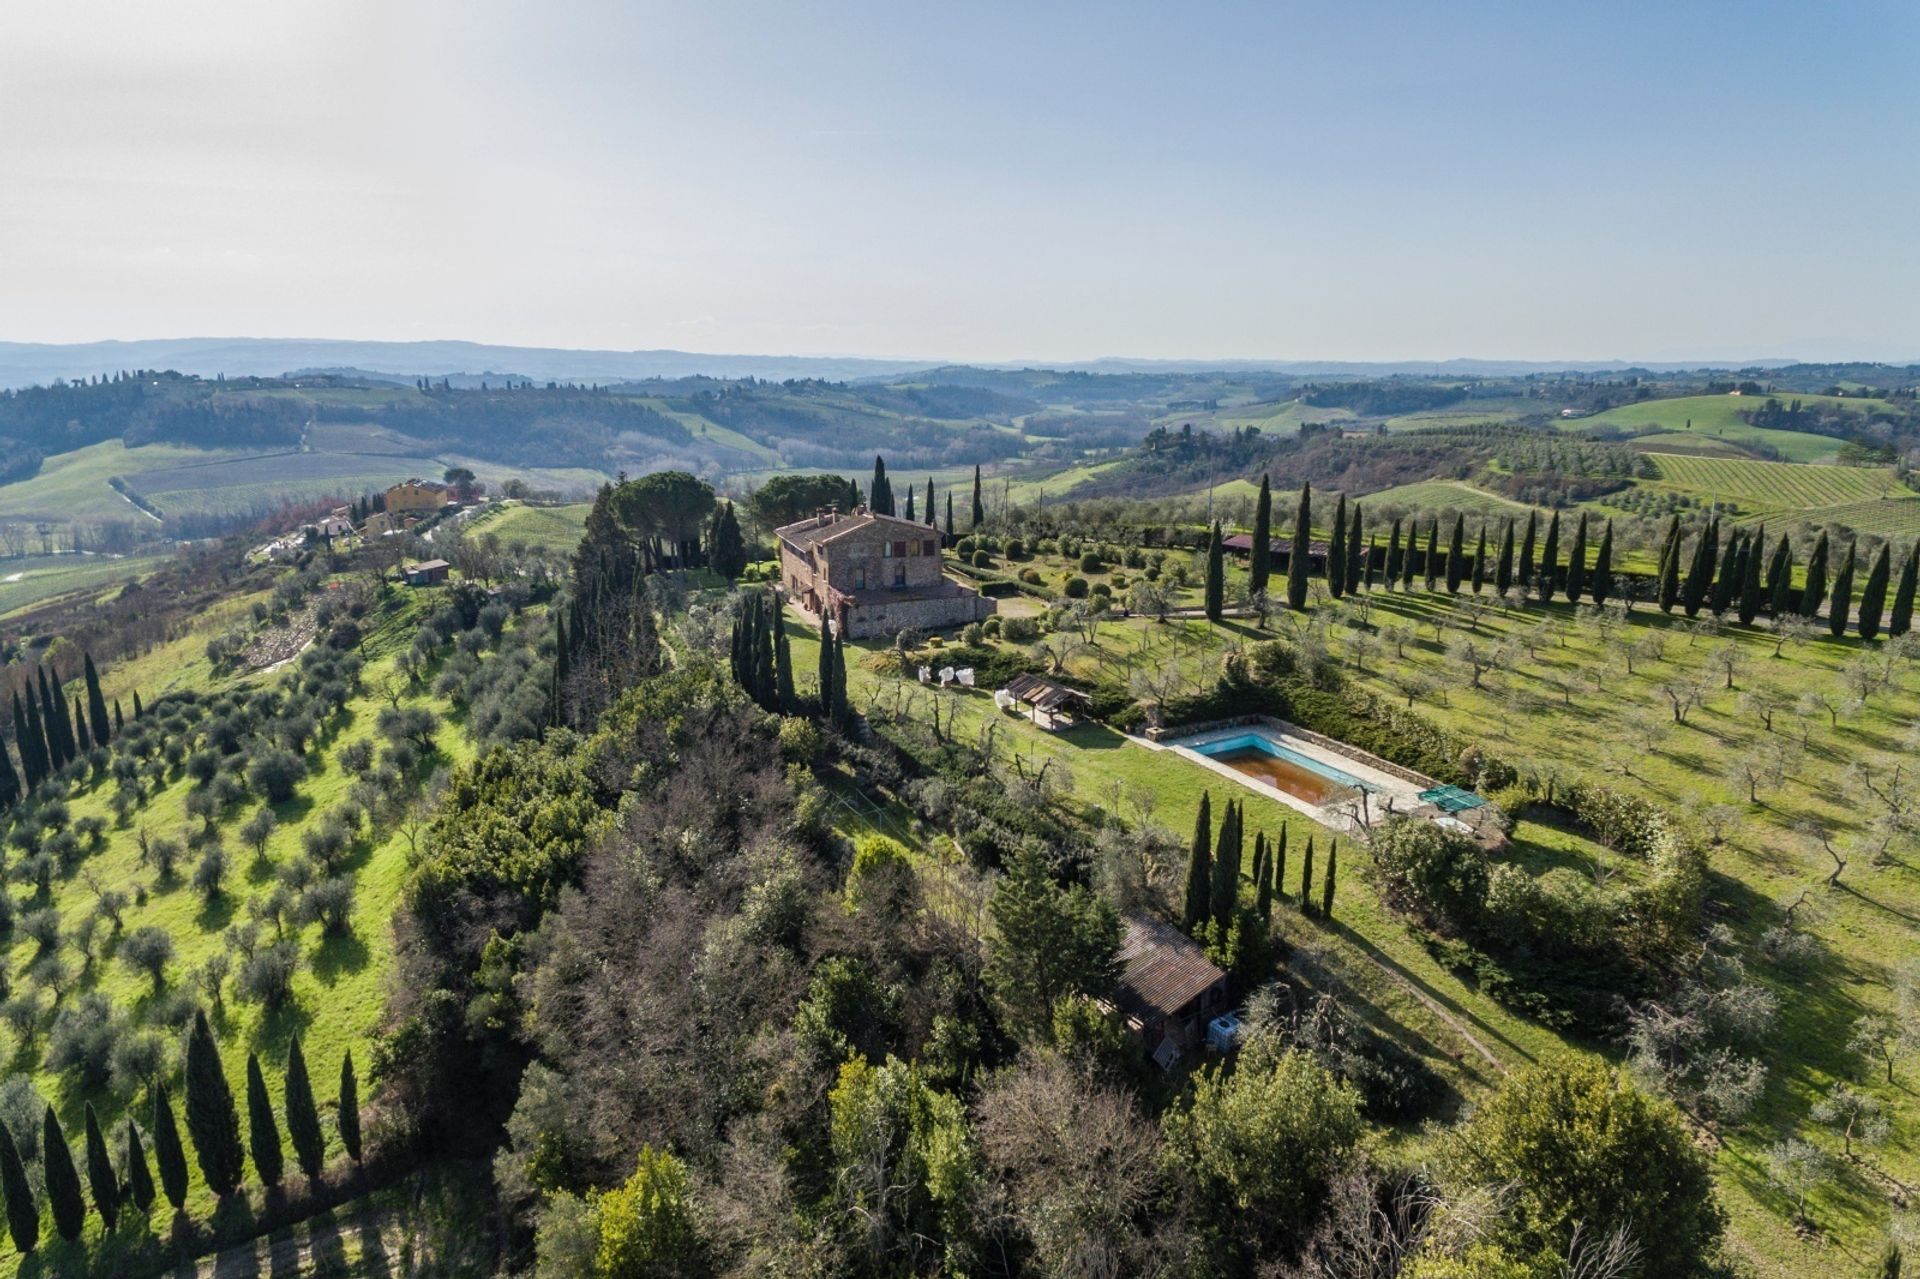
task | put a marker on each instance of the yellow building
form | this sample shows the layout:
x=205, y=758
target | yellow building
x=417, y=495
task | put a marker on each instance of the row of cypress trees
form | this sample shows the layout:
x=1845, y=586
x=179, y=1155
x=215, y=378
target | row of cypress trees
x=1731, y=578
x=50, y=732
x=761, y=661
x=880, y=499
x=213, y=1123
x=1213, y=870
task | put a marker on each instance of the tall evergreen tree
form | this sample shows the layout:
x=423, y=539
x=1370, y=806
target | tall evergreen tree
x=1262, y=878
x=1393, y=554
x=1199, y=866
x=263, y=1132
x=1547, y=573
x=1873, y=600
x=1603, y=566
x=139, y=1175
x=1406, y=556
x=59, y=721
x=137, y=709
x=1479, y=577
x=1373, y=557
x=303, y=1116
x=783, y=665
x=880, y=492
x=1456, y=553
x=168, y=1154
x=1225, y=894
x=979, y=503
x=348, y=1108
x=101, y=1178
x=96, y=705
x=1306, y=879
x=827, y=700
x=9, y=780
x=947, y=534
x=1668, y=592
x=1357, y=558
x=1577, y=562
x=1337, y=550
x=1216, y=595
x=1260, y=557
x=1526, y=550
x=1693, y=592
x=1301, y=550
x=212, y=1121
x=1728, y=580
x=1278, y=870
x=34, y=753
x=1752, y=587
x=1781, y=598
x=930, y=502
x=908, y=514
x=119, y=720
x=57, y=756
x=1503, y=569
x=1814, y=593
x=23, y=1213
x=1900, y=621
x=842, y=706
x=1840, y=610
x=1432, y=566
x=1333, y=861
x=63, y=1179
x=727, y=549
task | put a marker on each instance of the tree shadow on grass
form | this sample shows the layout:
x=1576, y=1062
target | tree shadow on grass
x=1087, y=736
x=326, y=1247
x=217, y=912
x=374, y=1261
x=294, y=810
x=278, y=1027
x=339, y=956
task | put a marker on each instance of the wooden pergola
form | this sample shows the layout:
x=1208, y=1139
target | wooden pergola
x=1046, y=696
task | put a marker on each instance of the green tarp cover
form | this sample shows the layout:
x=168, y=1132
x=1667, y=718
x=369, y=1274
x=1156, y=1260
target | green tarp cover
x=1452, y=799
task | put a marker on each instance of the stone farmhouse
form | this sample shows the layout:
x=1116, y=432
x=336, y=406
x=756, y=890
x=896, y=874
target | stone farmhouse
x=873, y=574
x=417, y=496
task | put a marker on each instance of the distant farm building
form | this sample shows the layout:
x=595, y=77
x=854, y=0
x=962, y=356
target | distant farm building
x=873, y=574
x=1168, y=990
x=426, y=572
x=421, y=496
x=1280, y=547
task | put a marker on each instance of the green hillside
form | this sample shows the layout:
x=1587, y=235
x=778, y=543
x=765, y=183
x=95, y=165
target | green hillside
x=1716, y=417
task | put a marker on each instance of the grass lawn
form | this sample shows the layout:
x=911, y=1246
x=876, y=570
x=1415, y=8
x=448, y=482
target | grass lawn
x=1716, y=417
x=552, y=528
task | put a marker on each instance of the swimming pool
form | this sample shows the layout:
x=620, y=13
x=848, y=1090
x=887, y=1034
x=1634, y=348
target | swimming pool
x=1260, y=757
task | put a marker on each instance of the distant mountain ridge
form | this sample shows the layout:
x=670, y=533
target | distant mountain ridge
x=37, y=363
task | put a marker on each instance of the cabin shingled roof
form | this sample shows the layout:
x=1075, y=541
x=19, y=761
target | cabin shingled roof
x=1162, y=969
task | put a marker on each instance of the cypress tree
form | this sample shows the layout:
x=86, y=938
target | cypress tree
x=1780, y=597
x=947, y=535
x=1200, y=866
x=1432, y=565
x=1503, y=570
x=1216, y=597
x=1333, y=860
x=263, y=1134
x=1306, y=879
x=908, y=514
x=979, y=505
x=1577, y=562
x=1278, y=871
x=842, y=708
x=1337, y=550
x=1526, y=550
x=29, y=762
x=766, y=684
x=1693, y=593
x=349, y=1108
x=168, y=1153
x=826, y=667
x=783, y=665
x=58, y=720
x=139, y=1176
x=1393, y=554
x=9, y=780
x=1603, y=566
x=79, y=717
x=930, y=523
x=1373, y=547
x=880, y=493
x=36, y=742
x=1260, y=558
x=1728, y=580
x=1259, y=858
x=1752, y=592
x=303, y=1116
x=1901, y=619
x=1547, y=576
x=212, y=1121
x=49, y=724
x=119, y=720
x=1815, y=590
x=1669, y=589
x=1301, y=550
x=1479, y=578
x=1456, y=553
x=1838, y=612
x=1262, y=878
x=1226, y=870
x=63, y=1179
x=97, y=705
x=1873, y=600
x=1357, y=559
x=101, y=1178
x=137, y=709
x=23, y=1214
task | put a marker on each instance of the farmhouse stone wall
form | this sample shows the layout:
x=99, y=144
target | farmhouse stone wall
x=887, y=618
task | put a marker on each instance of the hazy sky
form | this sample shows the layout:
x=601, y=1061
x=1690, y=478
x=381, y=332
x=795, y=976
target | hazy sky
x=975, y=181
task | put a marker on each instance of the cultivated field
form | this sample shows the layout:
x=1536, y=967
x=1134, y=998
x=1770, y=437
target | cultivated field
x=34, y=578
x=551, y=528
x=1447, y=495
x=1716, y=417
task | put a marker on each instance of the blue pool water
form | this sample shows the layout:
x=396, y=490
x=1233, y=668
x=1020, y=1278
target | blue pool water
x=1240, y=747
